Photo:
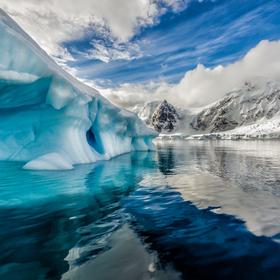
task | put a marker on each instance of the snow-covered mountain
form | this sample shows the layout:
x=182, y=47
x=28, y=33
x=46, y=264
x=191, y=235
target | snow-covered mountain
x=48, y=118
x=253, y=111
x=164, y=117
x=254, y=102
x=146, y=112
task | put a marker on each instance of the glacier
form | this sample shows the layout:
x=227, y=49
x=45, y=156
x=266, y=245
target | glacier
x=49, y=119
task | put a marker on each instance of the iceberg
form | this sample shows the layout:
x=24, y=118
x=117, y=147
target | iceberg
x=49, y=119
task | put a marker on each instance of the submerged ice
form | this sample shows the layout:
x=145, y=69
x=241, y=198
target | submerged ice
x=48, y=118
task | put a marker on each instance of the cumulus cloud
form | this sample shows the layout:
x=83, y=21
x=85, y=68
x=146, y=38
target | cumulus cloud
x=202, y=86
x=130, y=95
x=51, y=22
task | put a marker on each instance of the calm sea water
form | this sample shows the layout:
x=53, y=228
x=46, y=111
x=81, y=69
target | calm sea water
x=189, y=210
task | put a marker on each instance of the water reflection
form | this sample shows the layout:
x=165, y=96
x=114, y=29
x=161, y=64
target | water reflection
x=50, y=216
x=210, y=210
x=200, y=243
x=166, y=160
x=241, y=178
x=126, y=257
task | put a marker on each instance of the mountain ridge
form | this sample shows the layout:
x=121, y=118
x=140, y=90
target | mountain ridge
x=254, y=104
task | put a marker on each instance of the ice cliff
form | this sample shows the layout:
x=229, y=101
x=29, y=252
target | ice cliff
x=50, y=120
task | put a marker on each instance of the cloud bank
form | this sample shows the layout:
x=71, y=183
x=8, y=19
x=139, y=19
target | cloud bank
x=52, y=22
x=202, y=86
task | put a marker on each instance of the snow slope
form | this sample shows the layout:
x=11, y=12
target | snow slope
x=48, y=118
x=264, y=129
x=255, y=101
x=146, y=112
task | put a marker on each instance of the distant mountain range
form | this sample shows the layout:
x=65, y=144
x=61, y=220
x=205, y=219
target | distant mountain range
x=253, y=111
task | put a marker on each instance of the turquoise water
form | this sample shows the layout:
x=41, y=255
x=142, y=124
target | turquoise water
x=189, y=210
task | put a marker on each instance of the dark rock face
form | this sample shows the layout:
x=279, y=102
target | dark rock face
x=217, y=118
x=164, y=118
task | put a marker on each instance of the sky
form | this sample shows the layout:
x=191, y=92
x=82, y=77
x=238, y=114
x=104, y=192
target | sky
x=190, y=52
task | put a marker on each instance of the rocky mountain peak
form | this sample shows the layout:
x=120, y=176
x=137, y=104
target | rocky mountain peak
x=165, y=117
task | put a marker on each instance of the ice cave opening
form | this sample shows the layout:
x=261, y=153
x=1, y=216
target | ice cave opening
x=95, y=141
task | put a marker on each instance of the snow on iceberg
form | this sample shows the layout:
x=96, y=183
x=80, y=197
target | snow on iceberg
x=50, y=119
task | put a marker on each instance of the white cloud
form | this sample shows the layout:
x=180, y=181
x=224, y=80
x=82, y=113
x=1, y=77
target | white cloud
x=51, y=22
x=177, y=5
x=202, y=86
x=130, y=95
x=114, y=51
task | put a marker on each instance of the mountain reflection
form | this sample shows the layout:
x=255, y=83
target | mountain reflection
x=166, y=160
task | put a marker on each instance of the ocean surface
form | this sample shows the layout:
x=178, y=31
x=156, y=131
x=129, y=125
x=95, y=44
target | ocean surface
x=188, y=210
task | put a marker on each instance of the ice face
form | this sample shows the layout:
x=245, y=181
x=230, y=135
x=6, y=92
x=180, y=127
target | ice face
x=48, y=118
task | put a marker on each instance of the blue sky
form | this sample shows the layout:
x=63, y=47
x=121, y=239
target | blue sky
x=208, y=33
x=135, y=51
